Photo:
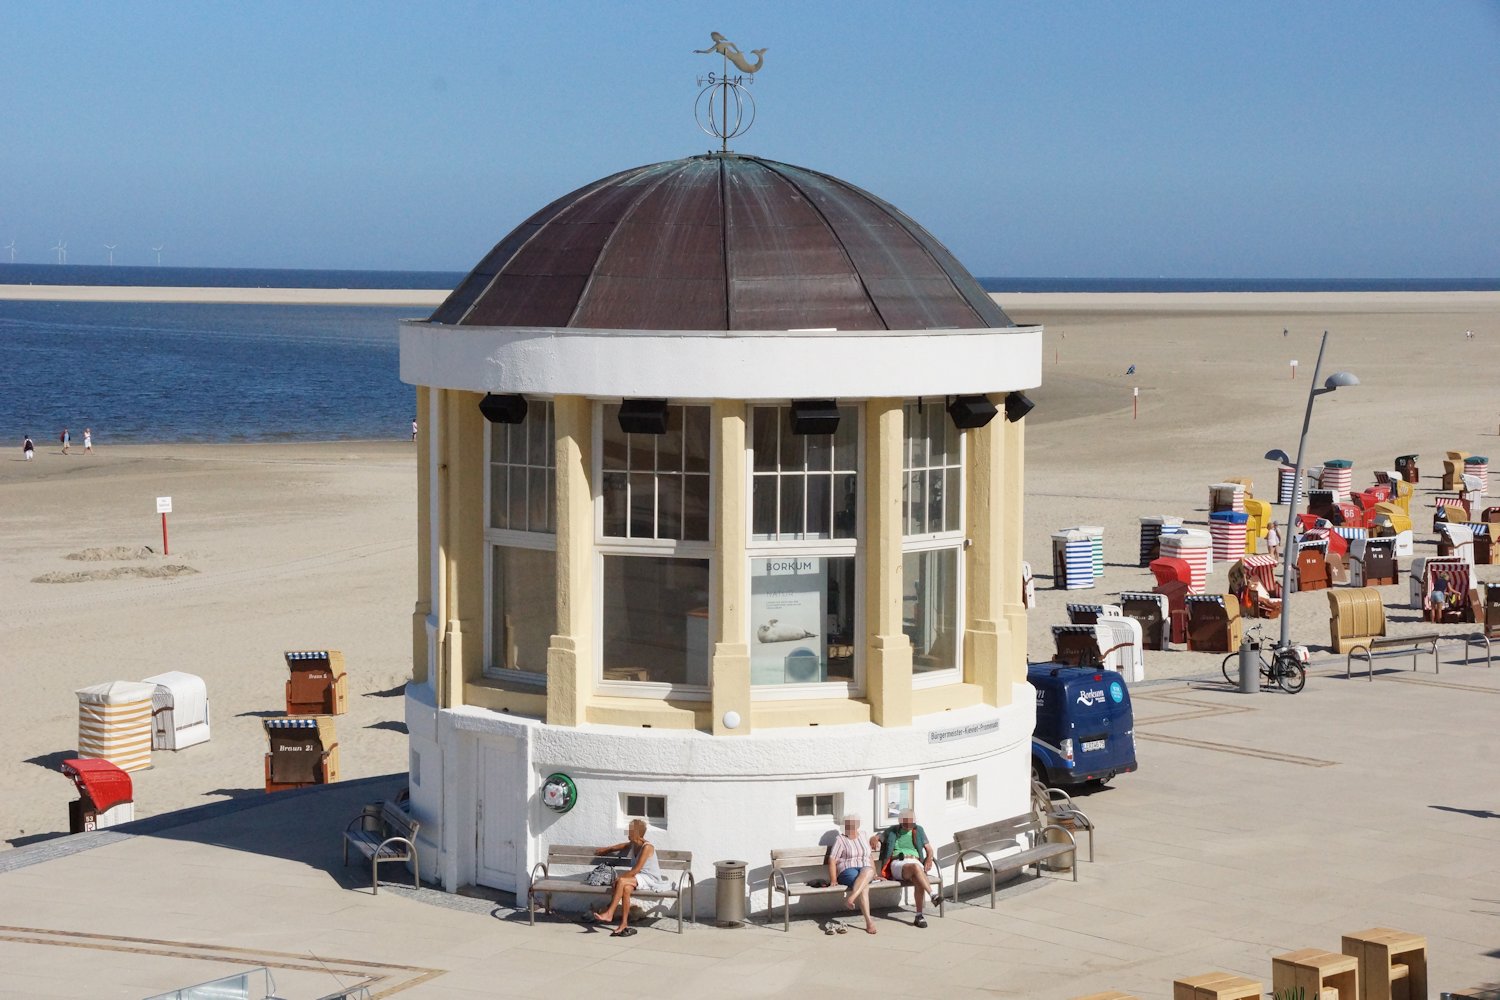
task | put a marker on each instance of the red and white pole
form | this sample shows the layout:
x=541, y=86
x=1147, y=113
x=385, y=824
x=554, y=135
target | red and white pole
x=1135, y=403
x=164, y=550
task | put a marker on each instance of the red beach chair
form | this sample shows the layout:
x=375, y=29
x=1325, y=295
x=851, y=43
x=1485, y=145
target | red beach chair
x=1170, y=571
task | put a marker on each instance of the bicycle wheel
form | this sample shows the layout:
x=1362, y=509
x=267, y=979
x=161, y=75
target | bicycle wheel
x=1232, y=669
x=1291, y=675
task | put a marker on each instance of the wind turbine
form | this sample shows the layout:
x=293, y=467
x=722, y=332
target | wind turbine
x=111, y=248
x=11, y=246
x=158, y=255
x=62, y=252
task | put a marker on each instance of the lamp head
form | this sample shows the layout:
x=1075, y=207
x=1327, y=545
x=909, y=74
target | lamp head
x=1277, y=455
x=1339, y=379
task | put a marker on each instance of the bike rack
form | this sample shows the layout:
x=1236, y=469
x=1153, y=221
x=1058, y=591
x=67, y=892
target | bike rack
x=1398, y=640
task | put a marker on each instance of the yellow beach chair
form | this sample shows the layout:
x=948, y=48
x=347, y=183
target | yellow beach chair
x=1258, y=523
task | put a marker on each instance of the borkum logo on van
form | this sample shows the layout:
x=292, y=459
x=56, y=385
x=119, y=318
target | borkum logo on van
x=1090, y=698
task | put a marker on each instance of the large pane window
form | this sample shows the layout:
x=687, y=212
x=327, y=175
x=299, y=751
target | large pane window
x=523, y=585
x=802, y=610
x=930, y=609
x=656, y=620
x=521, y=542
x=654, y=499
x=932, y=526
x=804, y=596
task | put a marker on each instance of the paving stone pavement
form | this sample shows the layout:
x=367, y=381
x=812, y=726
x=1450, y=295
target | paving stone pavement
x=1257, y=824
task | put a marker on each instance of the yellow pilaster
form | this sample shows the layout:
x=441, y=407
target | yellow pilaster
x=463, y=533
x=730, y=675
x=423, y=608
x=887, y=649
x=987, y=645
x=1012, y=534
x=569, y=656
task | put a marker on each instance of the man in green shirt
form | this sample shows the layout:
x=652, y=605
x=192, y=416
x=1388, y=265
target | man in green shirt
x=906, y=856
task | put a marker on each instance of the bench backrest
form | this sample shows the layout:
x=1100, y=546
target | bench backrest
x=979, y=837
x=564, y=854
x=398, y=822
x=786, y=859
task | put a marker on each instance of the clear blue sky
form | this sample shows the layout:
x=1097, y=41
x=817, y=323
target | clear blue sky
x=1086, y=139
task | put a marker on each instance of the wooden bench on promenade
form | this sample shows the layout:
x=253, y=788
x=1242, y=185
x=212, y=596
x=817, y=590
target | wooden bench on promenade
x=979, y=849
x=389, y=836
x=793, y=868
x=583, y=860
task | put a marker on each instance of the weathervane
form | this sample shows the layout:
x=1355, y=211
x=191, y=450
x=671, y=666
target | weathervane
x=716, y=120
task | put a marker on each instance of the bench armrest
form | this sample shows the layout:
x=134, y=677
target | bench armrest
x=1072, y=840
x=350, y=825
x=977, y=853
x=410, y=847
x=686, y=876
x=779, y=876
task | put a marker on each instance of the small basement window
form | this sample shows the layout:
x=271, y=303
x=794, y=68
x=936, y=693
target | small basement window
x=651, y=808
x=960, y=791
x=818, y=806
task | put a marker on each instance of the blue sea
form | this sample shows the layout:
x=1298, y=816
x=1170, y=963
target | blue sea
x=147, y=372
x=143, y=372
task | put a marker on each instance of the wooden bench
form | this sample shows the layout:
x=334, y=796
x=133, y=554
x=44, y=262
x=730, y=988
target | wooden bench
x=391, y=836
x=793, y=867
x=977, y=849
x=571, y=883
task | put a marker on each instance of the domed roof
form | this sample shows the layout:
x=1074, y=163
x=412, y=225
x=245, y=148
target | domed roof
x=721, y=242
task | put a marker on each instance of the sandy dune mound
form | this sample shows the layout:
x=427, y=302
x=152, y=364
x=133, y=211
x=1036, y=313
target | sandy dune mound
x=117, y=572
x=114, y=553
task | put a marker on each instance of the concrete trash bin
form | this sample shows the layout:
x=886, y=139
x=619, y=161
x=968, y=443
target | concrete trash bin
x=1061, y=863
x=729, y=893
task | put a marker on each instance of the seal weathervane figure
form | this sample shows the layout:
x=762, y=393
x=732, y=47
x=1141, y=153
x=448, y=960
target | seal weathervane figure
x=731, y=52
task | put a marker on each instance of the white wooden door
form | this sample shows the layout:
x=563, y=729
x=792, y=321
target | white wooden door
x=501, y=818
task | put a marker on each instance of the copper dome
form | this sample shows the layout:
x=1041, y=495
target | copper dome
x=721, y=242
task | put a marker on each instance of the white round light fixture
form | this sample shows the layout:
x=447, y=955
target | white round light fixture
x=731, y=720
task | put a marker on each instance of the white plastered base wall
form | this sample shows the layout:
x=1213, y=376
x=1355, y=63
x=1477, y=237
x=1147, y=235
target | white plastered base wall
x=477, y=775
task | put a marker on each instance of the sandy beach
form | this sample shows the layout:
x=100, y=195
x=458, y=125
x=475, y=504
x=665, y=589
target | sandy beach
x=289, y=546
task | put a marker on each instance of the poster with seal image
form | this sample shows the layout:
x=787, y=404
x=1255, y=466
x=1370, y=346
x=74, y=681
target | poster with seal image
x=788, y=620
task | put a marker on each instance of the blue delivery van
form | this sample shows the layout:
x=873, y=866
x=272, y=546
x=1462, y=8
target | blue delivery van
x=1085, y=730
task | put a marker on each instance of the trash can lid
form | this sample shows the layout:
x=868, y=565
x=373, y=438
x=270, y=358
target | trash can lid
x=1405, y=458
x=102, y=781
x=1476, y=460
x=1230, y=516
x=1338, y=463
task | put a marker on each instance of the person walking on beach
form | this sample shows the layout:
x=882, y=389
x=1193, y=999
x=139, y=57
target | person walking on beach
x=413, y=428
x=28, y=448
x=88, y=440
x=66, y=440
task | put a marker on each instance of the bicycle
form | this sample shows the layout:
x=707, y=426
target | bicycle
x=1286, y=667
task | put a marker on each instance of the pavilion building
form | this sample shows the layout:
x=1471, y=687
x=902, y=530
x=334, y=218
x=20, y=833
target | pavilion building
x=715, y=527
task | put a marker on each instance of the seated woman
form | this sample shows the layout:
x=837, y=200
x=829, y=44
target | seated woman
x=849, y=865
x=644, y=874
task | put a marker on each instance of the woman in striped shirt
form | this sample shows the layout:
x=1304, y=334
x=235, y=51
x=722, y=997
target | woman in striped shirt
x=849, y=865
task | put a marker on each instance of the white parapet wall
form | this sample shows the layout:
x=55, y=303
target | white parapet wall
x=477, y=776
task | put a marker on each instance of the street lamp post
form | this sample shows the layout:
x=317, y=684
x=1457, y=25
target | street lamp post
x=1334, y=381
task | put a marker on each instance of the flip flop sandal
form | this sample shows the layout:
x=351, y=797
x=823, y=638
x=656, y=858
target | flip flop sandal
x=841, y=929
x=626, y=932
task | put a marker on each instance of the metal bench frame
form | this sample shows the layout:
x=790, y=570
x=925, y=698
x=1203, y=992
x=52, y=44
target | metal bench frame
x=395, y=841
